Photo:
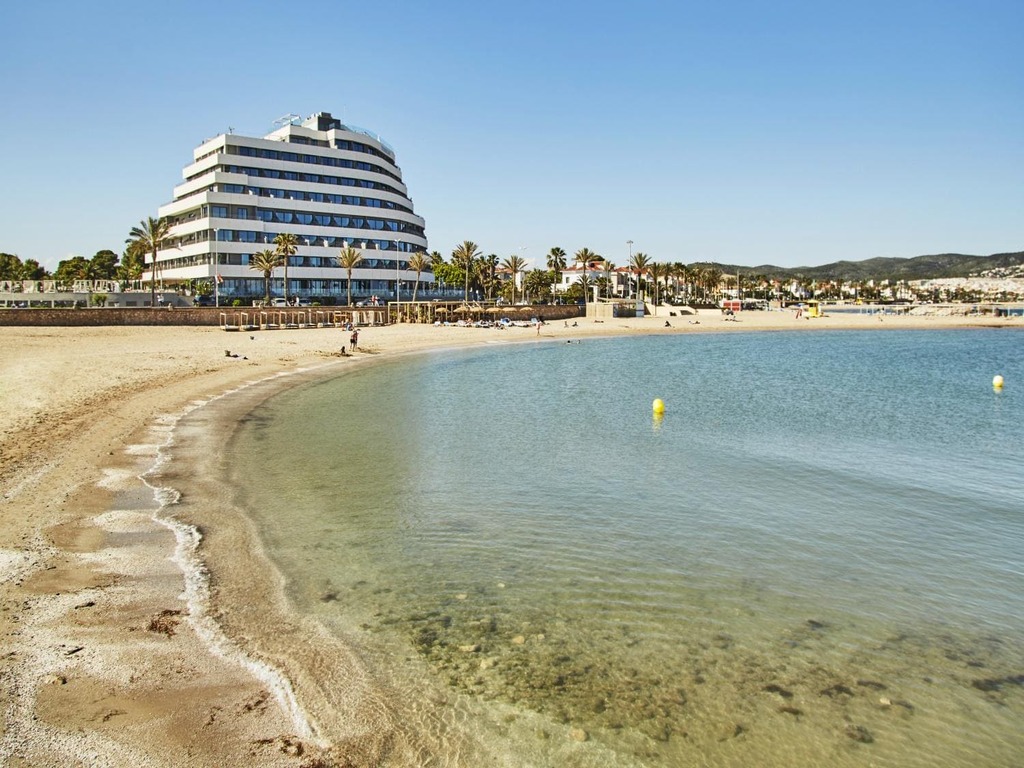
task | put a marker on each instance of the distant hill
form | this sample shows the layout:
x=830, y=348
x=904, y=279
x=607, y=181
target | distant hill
x=917, y=268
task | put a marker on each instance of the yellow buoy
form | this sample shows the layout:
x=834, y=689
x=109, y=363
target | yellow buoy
x=658, y=405
x=997, y=381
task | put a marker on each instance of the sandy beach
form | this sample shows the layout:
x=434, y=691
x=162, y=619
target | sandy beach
x=113, y=652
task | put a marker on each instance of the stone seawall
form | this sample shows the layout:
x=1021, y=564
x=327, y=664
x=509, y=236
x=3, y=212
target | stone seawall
x=211, y=316
x=98, y=316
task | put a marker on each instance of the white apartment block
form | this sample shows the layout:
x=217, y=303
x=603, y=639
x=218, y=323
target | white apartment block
x=329, y=184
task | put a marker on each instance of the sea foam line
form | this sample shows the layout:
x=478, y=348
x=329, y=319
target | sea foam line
x=196, y=577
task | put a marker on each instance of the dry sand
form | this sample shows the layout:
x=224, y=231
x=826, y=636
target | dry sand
x=109, y=657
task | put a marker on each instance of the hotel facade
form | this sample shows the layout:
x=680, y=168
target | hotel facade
x=330, y=185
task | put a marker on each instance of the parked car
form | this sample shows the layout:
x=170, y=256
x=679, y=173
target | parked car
x=203, y=301
x=281, y=301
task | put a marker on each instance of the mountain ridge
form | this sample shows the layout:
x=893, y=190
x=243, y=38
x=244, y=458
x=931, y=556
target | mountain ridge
x=931, y=266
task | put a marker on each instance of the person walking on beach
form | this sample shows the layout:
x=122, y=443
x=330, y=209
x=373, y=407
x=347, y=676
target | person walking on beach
x=353, y=340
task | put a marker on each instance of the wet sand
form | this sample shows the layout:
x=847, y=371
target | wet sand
x=118, y=647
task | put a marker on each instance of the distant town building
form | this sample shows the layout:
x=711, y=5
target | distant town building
x=994, y=287
x=617, y=281
x=331, y=185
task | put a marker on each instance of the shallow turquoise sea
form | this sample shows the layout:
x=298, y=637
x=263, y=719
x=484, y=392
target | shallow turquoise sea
x=815, y=557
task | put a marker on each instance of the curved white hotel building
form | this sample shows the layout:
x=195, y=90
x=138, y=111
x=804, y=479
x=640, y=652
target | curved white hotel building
x=327, y=183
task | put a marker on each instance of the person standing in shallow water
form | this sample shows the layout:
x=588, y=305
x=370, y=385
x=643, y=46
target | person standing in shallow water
x=353, y=340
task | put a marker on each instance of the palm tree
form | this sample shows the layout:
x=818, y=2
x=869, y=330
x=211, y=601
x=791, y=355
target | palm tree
x=609, y=267
x=679, y=274
x=287, y=244
x=697, y=280
x=463, y=256
x=657, y=272
x=583, y=257
x=348, y=259
x=132, y=263
x=714, y=280
x=638, y=263
x=514, y=264
x=556, y=262
x=487, y=270
x=265, y=262
x=151, y=234
x=417, y=263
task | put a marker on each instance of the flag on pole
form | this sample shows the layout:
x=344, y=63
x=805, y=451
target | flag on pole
x=220, y=279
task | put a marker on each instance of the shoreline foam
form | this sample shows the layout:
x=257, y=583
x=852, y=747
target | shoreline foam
x=195, y=575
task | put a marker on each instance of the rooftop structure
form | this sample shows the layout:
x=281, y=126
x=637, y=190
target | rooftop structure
x=331, y=185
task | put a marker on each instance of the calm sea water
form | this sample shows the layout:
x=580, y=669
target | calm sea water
x=816, y=556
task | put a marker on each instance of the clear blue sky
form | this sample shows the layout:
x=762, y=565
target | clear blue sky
x=752, y=132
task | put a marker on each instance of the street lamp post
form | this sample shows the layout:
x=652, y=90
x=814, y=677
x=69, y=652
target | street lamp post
x=630, y=263
x=522, y=250
x=398, y=279
x=398, y=287
x=216, y=269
